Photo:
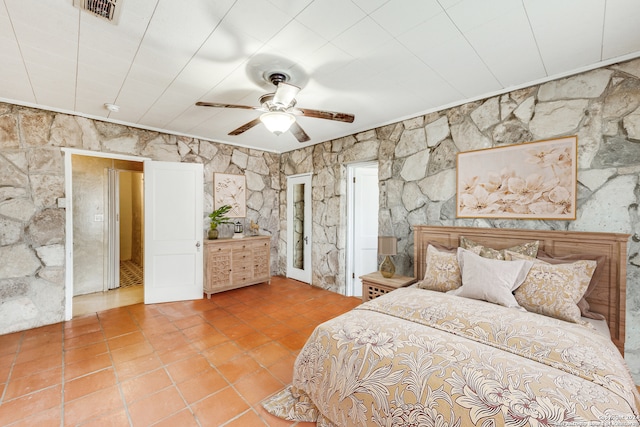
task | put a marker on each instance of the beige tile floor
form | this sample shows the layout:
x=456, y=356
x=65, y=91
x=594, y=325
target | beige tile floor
x=207, y=362
x=100, y=301
x=131, y=292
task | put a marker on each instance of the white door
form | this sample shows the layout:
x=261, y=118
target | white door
x=173, y=230
x=299, y=227
x=363, y=223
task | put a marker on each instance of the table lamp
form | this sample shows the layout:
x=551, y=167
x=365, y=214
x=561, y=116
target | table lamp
x=387, y=245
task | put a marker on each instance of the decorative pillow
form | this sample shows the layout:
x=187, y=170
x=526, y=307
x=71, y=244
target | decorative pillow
x=529, y=248
x=599, y=259
x=554, y=290
x=490, y=279
x=442, y=272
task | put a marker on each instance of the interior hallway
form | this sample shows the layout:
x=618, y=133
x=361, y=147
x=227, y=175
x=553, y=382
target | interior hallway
x=192, y=363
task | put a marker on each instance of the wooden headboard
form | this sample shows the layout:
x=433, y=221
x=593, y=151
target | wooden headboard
x=609, y=295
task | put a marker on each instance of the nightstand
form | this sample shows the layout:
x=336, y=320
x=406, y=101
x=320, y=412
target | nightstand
x=374, y=285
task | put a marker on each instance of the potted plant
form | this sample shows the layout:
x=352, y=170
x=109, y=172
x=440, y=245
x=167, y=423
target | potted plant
x=218, y=217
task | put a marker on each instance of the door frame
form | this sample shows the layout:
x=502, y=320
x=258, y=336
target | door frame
x=67, y=203
x=305, y=274
x=113, y=230
x=350, y=226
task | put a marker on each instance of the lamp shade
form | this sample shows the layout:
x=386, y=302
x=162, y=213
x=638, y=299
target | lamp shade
x=387, y=245
x=277, y=121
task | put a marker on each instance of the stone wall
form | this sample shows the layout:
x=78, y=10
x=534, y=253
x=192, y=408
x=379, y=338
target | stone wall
x=417, y=178
x=32, y=227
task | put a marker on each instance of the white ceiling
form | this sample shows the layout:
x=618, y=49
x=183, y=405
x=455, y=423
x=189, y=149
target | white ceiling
x=382, y=60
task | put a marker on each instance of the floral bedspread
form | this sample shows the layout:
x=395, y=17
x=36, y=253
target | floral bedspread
x=420, y=358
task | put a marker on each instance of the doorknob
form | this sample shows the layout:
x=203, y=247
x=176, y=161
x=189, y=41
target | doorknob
x=306, y=240
x=198, y=245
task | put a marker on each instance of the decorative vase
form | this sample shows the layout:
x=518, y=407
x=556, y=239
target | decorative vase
x=387, y=269
x=213, y=233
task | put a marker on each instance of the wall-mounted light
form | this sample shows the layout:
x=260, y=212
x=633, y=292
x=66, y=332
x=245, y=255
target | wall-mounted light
x=277, y=121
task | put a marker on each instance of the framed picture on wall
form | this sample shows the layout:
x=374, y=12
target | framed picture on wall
x=230, y=189
x=533, y=180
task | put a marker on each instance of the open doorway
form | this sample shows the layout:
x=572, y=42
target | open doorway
x=362, y=224
x=127, y=229
x=172, y=234
x=108, y=250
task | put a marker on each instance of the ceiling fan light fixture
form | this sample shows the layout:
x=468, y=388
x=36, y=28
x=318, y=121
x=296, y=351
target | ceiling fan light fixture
x=277, y=121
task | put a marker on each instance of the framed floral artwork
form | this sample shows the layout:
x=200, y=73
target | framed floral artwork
x=533, y=180
x=229, y=189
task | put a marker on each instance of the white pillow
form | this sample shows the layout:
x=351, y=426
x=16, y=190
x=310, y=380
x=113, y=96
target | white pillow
x=489, y=279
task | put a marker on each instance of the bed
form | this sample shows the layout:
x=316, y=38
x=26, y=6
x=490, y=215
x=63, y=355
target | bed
x=421, y=357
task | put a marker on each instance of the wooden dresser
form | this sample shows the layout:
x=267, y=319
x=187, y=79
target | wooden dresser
x=234, y=263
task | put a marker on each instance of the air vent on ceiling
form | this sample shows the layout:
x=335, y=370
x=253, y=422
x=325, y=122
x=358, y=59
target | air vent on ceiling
x=106, y=9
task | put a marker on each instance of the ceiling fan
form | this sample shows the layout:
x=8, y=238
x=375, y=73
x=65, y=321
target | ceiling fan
x=279, y=110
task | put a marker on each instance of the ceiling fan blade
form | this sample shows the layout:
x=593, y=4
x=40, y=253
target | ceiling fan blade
x=285, y=94
x=328, y=115
x=217, y=105
x=245, y=127
x=299, y=133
